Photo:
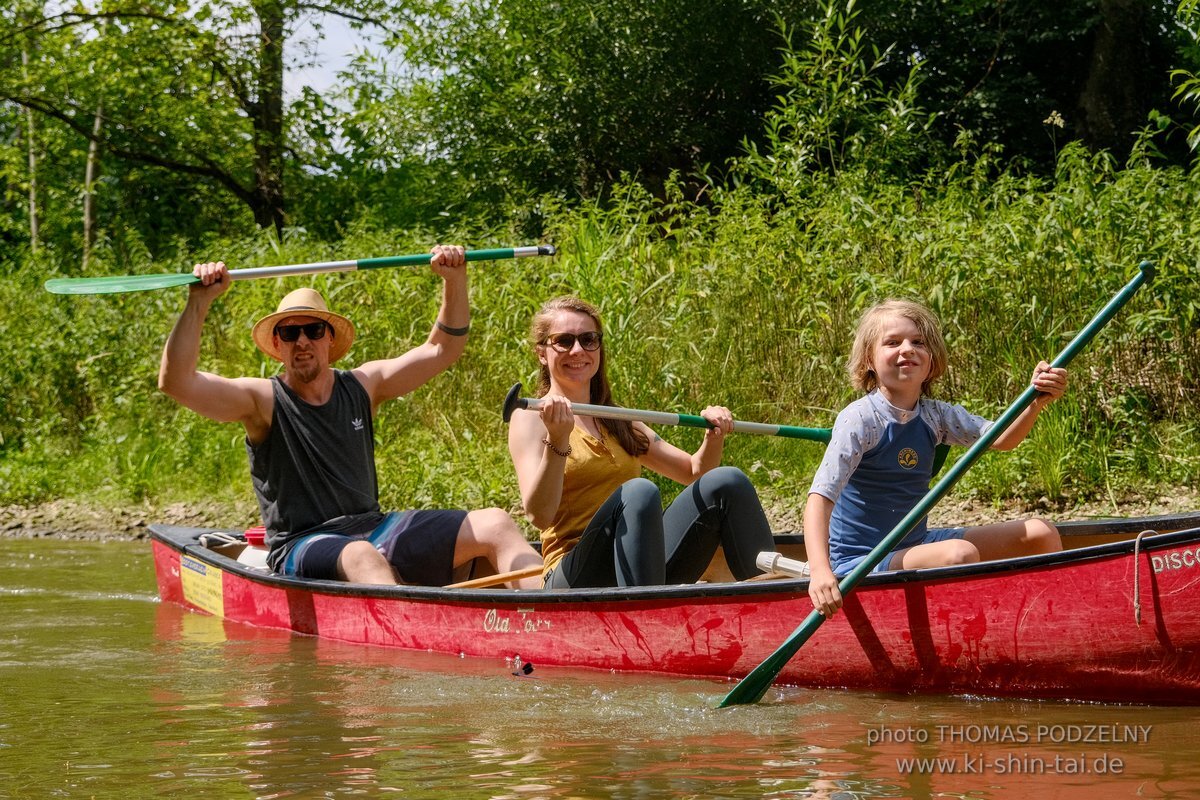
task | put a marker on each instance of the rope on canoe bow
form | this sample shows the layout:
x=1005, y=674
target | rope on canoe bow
x=1137, y=595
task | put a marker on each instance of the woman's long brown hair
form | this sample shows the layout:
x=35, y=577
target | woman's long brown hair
x=632, y=440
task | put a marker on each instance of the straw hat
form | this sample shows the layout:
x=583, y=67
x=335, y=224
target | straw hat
x=306, y=303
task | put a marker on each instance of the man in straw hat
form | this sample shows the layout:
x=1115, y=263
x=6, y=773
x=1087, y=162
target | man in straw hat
x=310, y=438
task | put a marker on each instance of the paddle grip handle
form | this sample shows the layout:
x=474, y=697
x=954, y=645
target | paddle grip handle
x=769, y=562
x=513, y=401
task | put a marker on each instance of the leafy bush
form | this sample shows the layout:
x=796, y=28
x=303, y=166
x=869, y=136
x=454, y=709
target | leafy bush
x=747, y=299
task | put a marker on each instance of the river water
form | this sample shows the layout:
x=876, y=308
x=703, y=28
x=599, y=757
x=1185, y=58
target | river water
x=107, y=693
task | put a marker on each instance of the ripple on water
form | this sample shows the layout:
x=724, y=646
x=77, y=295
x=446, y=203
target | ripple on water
x=109, y=696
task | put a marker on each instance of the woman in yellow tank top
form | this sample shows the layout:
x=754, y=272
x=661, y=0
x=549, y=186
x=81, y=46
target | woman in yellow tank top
x=602, y=524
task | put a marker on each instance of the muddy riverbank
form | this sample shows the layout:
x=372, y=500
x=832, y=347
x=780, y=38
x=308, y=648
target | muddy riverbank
x=74, y=519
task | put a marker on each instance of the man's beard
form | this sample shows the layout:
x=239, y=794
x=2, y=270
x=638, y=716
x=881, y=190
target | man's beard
x=306, y=371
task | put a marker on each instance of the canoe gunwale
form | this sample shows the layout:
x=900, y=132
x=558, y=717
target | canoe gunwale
x=184, y=540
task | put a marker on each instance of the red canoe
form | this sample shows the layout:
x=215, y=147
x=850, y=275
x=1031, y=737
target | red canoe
x=1056, y=626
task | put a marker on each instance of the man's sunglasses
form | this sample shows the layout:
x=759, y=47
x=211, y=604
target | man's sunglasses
x=291, y=333
x=565, y=342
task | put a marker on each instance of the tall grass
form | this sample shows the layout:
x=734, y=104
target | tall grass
x=738, y=301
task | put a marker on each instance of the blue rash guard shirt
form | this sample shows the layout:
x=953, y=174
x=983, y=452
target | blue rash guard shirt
x=878, y=465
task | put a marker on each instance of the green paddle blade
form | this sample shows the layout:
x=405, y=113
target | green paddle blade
x=117, y=283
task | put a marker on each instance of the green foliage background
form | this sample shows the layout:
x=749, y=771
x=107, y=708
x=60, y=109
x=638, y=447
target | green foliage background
x=736, y=283
x=737, y=303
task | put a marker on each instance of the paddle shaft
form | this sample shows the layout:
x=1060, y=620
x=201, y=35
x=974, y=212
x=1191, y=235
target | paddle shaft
x=512, y=401
x=755, y=684
x=384, y=262
x=141, y=283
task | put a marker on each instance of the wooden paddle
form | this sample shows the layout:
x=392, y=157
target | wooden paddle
x=513, y=401
x=141, y=283
x=495, y=580
x=755, y=685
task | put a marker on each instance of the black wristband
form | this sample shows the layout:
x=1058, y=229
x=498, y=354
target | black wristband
x=463, y=331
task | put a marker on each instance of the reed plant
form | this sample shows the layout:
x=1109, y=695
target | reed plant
x=738, y=300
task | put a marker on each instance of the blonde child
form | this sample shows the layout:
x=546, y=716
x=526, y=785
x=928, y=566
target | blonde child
x=878, y=464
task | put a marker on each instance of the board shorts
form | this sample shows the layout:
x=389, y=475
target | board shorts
x=932, y=535
x=418, y=544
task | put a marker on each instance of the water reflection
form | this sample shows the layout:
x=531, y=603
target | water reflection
x=110, y=694
x=350, y=718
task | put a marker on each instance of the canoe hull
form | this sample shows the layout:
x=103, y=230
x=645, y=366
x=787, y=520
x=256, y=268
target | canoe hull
x=1059, y=626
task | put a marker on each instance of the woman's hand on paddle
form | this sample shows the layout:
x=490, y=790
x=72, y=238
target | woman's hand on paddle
x=720, y=418
x=824, y=592
x=558, y=419
x=214, y=280
x=1050, y=381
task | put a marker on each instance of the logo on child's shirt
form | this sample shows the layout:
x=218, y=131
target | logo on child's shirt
x=357, y=423
x=907, y=458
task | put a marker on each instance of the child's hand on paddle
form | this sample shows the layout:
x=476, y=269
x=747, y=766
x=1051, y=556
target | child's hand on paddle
x=1050, y=381
x=824, y=592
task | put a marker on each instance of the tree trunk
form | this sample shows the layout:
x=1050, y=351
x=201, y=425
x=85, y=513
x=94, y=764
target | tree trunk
x=1116, y=95
x=89, y=191
x=34, y=221
x=268, y=122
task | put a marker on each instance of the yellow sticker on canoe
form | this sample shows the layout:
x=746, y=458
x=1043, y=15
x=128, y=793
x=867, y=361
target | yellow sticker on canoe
x=202, y=585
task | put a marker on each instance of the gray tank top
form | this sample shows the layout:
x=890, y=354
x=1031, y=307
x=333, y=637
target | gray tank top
x=316, y=468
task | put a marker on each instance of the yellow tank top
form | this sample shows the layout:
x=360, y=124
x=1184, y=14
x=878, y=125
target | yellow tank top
x=594, y=470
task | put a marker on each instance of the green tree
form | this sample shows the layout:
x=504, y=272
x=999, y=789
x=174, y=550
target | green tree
x=563, y=96
x=195, y=90
x=1186, y=80
x=834, y=110
x=999, y=69
x=13, y=229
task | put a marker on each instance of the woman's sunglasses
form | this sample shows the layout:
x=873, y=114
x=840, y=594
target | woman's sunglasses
x=565, y=342
x=291, y=333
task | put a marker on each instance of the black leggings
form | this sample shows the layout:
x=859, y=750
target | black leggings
x=631, y=541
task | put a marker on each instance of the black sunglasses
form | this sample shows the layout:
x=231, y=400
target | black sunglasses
x=565, y=342
x=291, y=333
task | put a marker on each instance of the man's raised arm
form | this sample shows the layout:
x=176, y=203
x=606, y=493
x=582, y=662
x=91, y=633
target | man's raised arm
x=395, y=377
x=220, y=399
